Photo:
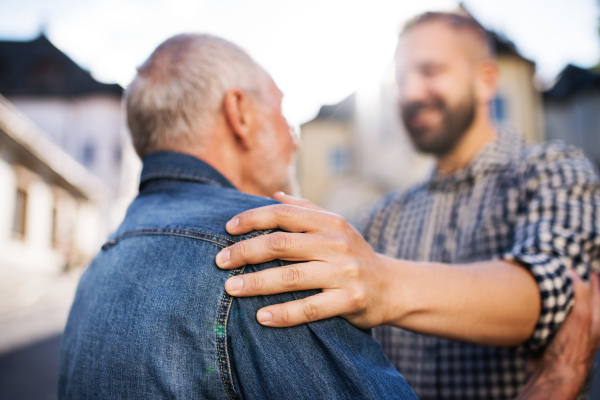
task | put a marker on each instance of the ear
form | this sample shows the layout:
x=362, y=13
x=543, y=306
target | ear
x=486, y=84
x=241, y=116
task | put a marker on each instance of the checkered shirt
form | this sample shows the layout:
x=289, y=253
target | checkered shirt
x=538, y=206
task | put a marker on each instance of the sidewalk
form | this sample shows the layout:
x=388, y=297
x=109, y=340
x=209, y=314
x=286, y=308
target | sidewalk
x=34, y=306
x=33, y=313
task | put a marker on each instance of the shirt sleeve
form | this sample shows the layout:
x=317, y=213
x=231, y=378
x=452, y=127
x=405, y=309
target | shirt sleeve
x=557, y=229
x=328, y=359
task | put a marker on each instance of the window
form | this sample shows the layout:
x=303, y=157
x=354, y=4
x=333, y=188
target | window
x=498, y=110
x=20, y=216
x=54, y=226
x=339, y=160
x=89, y=153
x=117, y=154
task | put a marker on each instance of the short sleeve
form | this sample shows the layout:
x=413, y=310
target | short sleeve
x=327, y=359
x=557, y=229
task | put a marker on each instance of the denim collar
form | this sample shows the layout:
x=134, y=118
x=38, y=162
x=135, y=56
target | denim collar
x=168, y=165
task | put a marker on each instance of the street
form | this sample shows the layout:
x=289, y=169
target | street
x=33, y=312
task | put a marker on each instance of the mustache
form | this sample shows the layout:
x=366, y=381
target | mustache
x=410, y=110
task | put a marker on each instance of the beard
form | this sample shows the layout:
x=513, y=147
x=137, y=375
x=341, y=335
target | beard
x=273, y=173
x=442, y=139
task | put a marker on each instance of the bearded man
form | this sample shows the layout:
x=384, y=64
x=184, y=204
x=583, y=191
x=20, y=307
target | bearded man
x=463, y=276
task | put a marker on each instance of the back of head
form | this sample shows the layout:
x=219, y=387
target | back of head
x=178, y=91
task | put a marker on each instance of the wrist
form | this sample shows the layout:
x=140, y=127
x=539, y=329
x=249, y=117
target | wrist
x=396, y=293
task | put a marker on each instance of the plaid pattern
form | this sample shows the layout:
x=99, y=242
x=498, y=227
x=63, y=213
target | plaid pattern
x=535, y=205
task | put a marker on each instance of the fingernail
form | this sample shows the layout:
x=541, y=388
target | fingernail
x=264, y=316
x=232, y=224
x=234, y=284
x=223, y=257
x=281, y=193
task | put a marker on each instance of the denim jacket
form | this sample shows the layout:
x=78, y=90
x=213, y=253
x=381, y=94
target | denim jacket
x=151, y=318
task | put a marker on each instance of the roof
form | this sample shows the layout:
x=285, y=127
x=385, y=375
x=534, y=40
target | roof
x=573, y=80
x=342, y=111
x=502, y=45
x=28, y=145
x=38, y=68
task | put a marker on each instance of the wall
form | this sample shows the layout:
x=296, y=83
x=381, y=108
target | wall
x=94, y=122
x=60, y=230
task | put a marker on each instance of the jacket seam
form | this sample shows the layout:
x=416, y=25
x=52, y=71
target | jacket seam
x=178, y=175
x=171, y=231
x=222, y=329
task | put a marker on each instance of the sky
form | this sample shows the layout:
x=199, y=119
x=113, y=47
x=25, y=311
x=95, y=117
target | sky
x=318, y=51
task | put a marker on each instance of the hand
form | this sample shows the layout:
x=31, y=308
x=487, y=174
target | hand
x=336, y=259
x=560, y=372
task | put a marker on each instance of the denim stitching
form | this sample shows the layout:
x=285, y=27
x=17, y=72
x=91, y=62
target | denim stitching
x=222, y=341
x=167, y=173
x=168, y=231
x=222, y=317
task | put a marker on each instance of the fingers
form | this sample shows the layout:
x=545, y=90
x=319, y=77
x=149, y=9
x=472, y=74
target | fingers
x=595, y=303
x=277, y=245
x=295, y=201
x=304, y=276
x=282, y=216
x=581, y=296
x=313, y=308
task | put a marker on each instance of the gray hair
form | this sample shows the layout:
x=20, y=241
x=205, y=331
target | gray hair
x=179, y=89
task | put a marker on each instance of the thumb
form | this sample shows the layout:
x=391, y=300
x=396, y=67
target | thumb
x=295, y=201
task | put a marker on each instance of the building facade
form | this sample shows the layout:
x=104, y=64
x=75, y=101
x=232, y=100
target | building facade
x=52, y=209
x=80, y=114
x=572, y=110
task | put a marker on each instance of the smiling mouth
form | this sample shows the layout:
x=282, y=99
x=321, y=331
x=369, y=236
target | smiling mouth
x=425, y=117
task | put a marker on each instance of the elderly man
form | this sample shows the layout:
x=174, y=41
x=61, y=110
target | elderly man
x=464, y=275
x=151, y=318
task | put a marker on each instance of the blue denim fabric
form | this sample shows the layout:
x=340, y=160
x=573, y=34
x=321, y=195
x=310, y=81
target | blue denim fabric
x=151, y=318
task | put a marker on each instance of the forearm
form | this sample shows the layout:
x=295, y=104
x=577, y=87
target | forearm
x=492, y=303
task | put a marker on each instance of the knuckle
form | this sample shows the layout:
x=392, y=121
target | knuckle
x=240, y=250
x=279, y=241
x=290, y=276
x=285, y=316
x=256, y=283
x=342, y=245
x=358, y=299
x=351, y=271
x=247, y=216
x=310, y=311
x=283, y=210
x=338, y=222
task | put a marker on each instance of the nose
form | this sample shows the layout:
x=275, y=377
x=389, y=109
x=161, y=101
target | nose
x=411, y=88
x=295, y=137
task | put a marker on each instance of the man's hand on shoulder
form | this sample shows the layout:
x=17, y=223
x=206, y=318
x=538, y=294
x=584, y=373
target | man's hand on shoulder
x=334, y=256
x=560, y=372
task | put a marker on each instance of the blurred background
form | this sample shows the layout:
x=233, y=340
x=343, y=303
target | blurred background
x=68, y=170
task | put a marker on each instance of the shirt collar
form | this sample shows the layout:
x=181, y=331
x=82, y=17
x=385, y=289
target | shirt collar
x=496, y=155
x=168, y=165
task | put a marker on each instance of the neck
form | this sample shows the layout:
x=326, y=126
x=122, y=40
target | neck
x=479, y=134
x=222, y=152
